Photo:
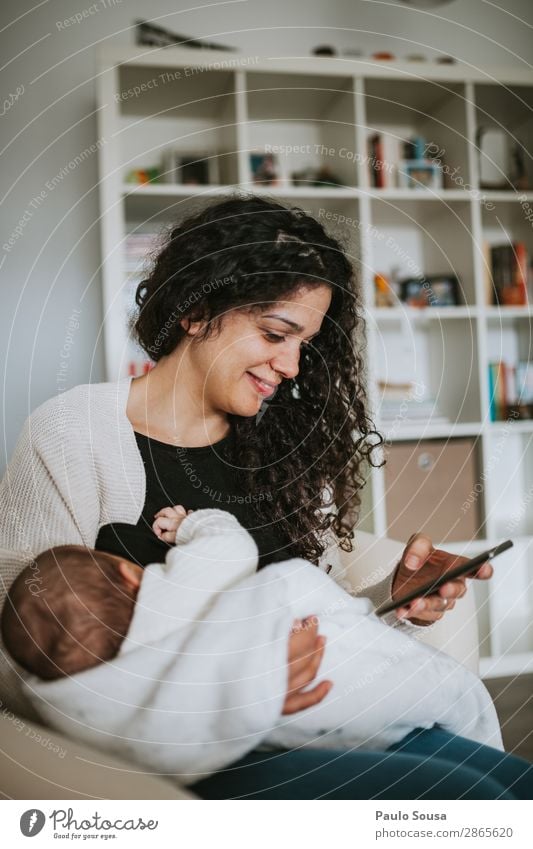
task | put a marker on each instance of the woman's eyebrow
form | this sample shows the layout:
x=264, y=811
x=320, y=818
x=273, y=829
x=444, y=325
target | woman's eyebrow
x=292, y=324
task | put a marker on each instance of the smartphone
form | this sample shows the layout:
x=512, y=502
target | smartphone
x=428, y=589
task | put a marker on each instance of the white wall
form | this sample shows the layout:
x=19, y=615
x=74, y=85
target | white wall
x=53, y=267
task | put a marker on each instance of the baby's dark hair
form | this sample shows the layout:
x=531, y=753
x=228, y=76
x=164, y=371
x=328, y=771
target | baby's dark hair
x=67, y=611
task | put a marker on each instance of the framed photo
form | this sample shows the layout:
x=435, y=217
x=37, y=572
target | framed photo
x=445, y=291
x=264, y=168
x=439, y=290
x=419, y=174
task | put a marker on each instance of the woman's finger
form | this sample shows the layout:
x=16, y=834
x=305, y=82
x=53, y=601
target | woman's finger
x=453, y=589
x=438, y=604
x=308, y=673
x=303, y=635
x=484, y=572
x=302, y=643
x=426, y=610
x=416, y=552
x=300, y=701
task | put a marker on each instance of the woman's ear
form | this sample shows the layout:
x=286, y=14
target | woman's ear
x=131, y=574
x=192, y=327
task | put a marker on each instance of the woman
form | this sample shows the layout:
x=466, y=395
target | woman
x=256, y=404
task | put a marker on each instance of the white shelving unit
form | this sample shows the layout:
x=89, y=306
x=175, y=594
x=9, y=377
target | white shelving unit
x=321, y=111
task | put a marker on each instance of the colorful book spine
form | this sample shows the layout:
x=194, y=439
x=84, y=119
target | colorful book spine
x=492, y=384
x=497, y=392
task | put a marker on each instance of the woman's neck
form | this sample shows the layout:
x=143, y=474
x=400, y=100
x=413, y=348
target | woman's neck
x=166, y=404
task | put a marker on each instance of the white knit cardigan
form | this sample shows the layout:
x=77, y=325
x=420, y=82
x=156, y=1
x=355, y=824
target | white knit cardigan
x=77, y=467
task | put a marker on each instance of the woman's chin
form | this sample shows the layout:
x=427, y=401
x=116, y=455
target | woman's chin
x=246, y=408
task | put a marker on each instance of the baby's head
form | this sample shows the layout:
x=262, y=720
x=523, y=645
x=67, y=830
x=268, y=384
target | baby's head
x=69, y=610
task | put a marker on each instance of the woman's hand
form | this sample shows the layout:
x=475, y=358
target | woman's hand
x=420, y=564
x=306, y=650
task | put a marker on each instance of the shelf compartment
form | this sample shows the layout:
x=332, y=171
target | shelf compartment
x=509, y=474
x=504, y=223
x=510, y=343
x=420, y=239
x=426, y=482
x=509, y=338
x=193, y=116
x=306, y=121
x=400, y=109
x=508, y=108
x=339, y=215
x=426, y=355
x=508, y=222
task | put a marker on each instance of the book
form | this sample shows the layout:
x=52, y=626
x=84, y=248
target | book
x=375, y=157
x=510, y=390
x=402, y=404
x=520, y=271
x=492, y=405
x=497, y=388
x=384, y=156
x=524, y=382
x=488, y=284
x=509, y=265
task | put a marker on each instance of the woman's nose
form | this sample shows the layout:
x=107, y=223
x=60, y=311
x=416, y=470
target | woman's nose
x=287, y=362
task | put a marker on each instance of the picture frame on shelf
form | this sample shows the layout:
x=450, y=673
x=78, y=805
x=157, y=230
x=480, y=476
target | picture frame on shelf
x=264, y=168
x=437, y=290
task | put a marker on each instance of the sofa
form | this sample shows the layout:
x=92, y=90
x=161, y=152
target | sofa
x=37, y=763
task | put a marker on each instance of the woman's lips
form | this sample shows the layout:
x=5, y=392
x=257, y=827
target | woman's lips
x=263, y=389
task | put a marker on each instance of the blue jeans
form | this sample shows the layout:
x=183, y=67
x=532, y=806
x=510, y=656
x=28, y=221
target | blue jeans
x=427, y=764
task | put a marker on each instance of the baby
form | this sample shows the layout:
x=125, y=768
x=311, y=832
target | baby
x=182, y=667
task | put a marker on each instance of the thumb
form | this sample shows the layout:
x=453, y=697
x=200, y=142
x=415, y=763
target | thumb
x=417, y=551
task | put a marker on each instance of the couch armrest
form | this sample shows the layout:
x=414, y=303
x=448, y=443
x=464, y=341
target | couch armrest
x=456, y=633
x=36, y=763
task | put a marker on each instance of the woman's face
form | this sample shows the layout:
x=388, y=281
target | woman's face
x=239, y=367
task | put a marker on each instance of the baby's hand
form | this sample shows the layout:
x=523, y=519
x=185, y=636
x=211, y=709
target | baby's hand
x=167, y=522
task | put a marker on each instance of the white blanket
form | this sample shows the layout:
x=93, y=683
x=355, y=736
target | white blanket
x=172, y=701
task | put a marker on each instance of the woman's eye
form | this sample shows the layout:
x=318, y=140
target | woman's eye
x=273, y=337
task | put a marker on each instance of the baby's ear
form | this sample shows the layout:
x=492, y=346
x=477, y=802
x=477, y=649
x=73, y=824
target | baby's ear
x=131, y=574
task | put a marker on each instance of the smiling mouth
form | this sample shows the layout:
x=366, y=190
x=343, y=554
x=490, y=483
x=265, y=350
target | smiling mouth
x=261, y=386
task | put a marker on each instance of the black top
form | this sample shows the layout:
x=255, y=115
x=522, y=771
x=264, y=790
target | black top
x=195, y=478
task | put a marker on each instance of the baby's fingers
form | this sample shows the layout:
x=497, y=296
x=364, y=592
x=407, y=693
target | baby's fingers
x=171, y=512
x=164, y=524
x=168, y=536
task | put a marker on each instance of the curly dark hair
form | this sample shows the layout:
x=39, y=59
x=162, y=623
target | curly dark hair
x=313, y=448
